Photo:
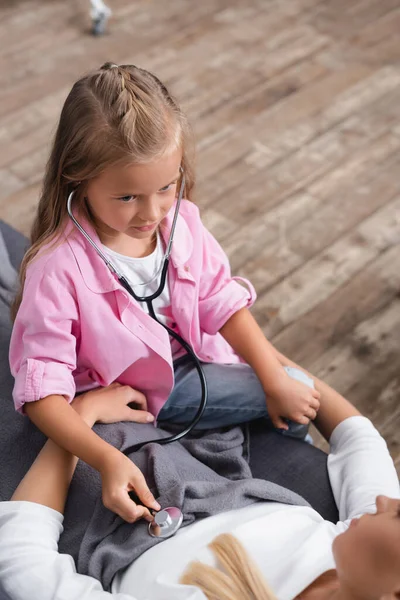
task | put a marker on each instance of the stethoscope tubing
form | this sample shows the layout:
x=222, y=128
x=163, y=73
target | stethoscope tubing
x=149, y=302
x=204, y=392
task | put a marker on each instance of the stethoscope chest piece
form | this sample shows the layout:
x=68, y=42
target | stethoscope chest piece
x=166, y=522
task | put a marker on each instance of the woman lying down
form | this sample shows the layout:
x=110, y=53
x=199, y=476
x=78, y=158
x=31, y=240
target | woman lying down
x=264, y=551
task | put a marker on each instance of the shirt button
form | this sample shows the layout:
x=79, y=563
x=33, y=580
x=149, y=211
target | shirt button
x=186, y=268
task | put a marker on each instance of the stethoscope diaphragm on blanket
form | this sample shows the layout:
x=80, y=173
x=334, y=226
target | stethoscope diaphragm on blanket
x=166, y=521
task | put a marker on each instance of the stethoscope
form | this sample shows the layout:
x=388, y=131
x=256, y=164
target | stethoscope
x=167, y=521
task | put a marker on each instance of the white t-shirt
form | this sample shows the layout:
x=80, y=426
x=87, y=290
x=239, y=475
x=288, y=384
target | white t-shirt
x=147, y=270
x=292, y=545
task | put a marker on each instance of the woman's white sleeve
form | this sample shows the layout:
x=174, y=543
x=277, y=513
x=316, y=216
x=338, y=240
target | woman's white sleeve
x=360, y=468
x=31, y=567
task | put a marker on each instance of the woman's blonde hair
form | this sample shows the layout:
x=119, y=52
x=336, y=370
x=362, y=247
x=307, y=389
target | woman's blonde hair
x=114, y=115
x=240, y=578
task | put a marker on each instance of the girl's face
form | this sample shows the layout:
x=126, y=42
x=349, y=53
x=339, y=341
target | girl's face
x=132, y=200
x=367, y=555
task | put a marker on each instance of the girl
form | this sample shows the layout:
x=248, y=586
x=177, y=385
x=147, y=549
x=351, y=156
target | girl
x=123, y=145
x=356, y=559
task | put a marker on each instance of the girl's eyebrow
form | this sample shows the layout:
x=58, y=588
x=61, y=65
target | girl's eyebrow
x=169, y=183
x=173, y=181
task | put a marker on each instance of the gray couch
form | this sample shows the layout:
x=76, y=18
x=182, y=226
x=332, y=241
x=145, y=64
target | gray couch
x=13, y=426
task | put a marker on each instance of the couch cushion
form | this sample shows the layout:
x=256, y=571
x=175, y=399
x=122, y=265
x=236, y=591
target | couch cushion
x=16, y=243
x=16, y=432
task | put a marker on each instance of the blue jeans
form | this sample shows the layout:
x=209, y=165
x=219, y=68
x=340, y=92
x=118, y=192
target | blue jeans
x=235, y=396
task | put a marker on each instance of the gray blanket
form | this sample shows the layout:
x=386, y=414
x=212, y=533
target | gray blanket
x=203, y=476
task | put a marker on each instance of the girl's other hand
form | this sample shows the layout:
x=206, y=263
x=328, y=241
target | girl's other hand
x=295, y=401
x=111, y=405
x=119, y=477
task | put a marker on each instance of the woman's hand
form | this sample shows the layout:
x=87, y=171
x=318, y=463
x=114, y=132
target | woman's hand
x=293, y=400
x=119, y=477
x=111, y=404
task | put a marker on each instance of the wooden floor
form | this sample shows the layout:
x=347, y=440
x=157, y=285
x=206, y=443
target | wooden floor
x=296, y=108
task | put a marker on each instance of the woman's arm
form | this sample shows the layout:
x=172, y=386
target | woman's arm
x=359, y=464
x=47, y=481
x=284, y=396
x=30, y=564
x=360, y=468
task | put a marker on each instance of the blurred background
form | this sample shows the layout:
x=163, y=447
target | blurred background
x=295, y=105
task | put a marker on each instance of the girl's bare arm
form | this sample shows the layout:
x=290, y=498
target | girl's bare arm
x=65, y=427
x=56, y=418
x=285, y=398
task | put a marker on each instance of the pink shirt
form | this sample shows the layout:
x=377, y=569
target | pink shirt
x=78, y=328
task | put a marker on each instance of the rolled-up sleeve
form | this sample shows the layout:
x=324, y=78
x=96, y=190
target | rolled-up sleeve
x=220, y=295
x=43, y=341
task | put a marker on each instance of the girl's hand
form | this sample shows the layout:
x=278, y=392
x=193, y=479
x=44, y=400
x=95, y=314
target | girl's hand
x=110, y=405
x=295, y=401
x=119, y=477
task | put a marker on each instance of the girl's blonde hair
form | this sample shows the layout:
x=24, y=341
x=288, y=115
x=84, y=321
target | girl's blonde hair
x=240, y=578
x=114, y=115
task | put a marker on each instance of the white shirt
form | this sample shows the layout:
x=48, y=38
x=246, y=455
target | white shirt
x=281, y=539
x=144, y=274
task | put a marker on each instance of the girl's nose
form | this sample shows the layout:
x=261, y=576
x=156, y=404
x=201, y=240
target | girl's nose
x=149, y=211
